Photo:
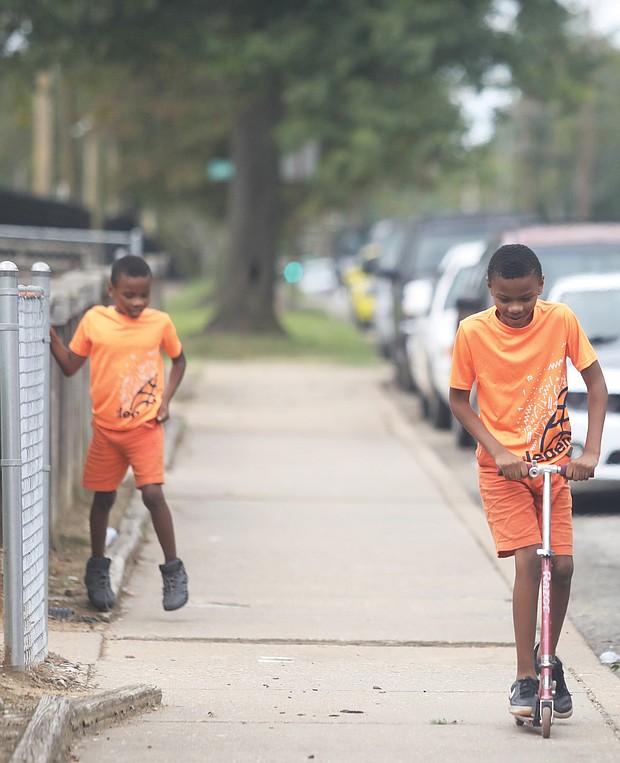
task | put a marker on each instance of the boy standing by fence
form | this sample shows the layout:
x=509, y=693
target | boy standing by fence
x=130, y=404
x=516, y=354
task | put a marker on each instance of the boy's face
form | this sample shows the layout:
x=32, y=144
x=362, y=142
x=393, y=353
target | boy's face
x=515, y=298
x=131, y=294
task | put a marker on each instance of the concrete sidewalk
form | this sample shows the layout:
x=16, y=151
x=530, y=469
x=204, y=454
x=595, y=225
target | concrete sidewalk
x=345, y=601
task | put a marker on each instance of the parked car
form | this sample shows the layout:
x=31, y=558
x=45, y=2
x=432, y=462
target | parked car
x=564, y=250
x=430, y=338
x=595, y=300
x=346, y=246
x=425, y=242
x=318, y=276
x=360, y=285
x=389, y=246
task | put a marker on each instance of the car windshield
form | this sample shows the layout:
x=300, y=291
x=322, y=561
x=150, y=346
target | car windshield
x=430, y=248
x=390, y=249
x=598, y=311
x=461, y=284
x=569, y=259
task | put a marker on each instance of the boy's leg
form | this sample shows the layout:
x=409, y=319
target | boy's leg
x=146, y=455
x=144, y=448
x=525, y=608
x=99, y=516
x=173, y=570
x=97, y=578
x=153, y=497
x=525, y=603
x=524, y=614
x=561, y=578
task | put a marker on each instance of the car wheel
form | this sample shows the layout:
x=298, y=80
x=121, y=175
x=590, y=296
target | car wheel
x=404, y=379
x=440, y=414
x=424, y=406
x=463, y=438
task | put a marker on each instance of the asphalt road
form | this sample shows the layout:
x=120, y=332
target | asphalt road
x=595, y=601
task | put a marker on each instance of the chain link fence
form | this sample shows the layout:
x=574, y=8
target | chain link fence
x=24, y=425
x=44, y=416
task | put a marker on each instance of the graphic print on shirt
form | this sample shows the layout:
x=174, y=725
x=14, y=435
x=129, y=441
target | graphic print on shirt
x=544, y=419
x=138, y=385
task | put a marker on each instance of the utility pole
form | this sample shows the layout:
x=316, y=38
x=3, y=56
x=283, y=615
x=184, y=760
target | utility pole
x=43, y=133
x=91, y=176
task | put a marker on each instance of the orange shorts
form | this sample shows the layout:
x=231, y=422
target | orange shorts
x=111, y=453
x=514, y=511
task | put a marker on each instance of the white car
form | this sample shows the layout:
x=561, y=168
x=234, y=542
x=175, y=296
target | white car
x=430, y=337
x=595, y=300
x=318, y=276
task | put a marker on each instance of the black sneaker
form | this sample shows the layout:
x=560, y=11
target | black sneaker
x=562, y=700
x=522, y=694
x=175, y=584
x=97, y=579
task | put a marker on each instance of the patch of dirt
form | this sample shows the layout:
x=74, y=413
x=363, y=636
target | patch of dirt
x=21, y=692
x=68, y=602
x=69, y=609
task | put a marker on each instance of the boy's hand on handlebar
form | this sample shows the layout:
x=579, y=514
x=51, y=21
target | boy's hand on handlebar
x=512, y=467
x=581, y=468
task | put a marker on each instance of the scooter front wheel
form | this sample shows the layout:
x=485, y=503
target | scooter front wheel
x=545, y=722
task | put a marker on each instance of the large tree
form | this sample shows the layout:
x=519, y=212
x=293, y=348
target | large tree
x=370, y=81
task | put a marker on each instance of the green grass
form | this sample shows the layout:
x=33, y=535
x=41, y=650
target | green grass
x=310, y=333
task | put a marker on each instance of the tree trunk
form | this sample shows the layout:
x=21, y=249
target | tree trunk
x=245, y=298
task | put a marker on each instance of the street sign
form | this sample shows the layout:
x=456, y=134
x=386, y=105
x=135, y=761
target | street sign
x=220, y=170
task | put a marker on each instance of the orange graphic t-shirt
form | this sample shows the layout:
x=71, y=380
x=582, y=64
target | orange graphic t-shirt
x=126, y=363
x=520, y=376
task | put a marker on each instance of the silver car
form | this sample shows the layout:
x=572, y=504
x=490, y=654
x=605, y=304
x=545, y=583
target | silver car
x=430, y=337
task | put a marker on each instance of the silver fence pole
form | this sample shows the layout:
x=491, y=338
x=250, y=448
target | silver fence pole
x=41, y=276
x=11, y=462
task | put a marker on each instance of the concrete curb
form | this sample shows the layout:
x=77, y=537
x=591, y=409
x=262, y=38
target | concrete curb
x=601, y=685
x=57, y=720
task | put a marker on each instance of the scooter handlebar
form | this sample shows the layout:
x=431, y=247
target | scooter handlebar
x=536, y=469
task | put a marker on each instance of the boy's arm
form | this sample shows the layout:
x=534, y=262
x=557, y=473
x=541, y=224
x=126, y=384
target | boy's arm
x=512, y=466
x=68, y=361
x=582, y=468
x=176, y=374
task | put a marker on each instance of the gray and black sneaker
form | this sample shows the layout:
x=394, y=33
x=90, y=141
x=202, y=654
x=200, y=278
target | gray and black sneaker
x=175, y=584
x=97, y=579
x=562, y=700
x=522, y=694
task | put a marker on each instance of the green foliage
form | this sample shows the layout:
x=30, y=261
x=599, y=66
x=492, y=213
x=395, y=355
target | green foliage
x=311, y=333
x=542, y=43
x=370, y=80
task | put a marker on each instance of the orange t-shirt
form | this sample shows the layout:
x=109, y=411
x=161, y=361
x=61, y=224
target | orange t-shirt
x=520, y=376
x=126, y=363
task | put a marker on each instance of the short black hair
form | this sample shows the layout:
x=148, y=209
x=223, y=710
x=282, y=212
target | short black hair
x=130, y=265
x=514, y=261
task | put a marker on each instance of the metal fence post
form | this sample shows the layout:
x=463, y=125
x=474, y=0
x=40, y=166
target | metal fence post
x=11, y=463
x=41, y=276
